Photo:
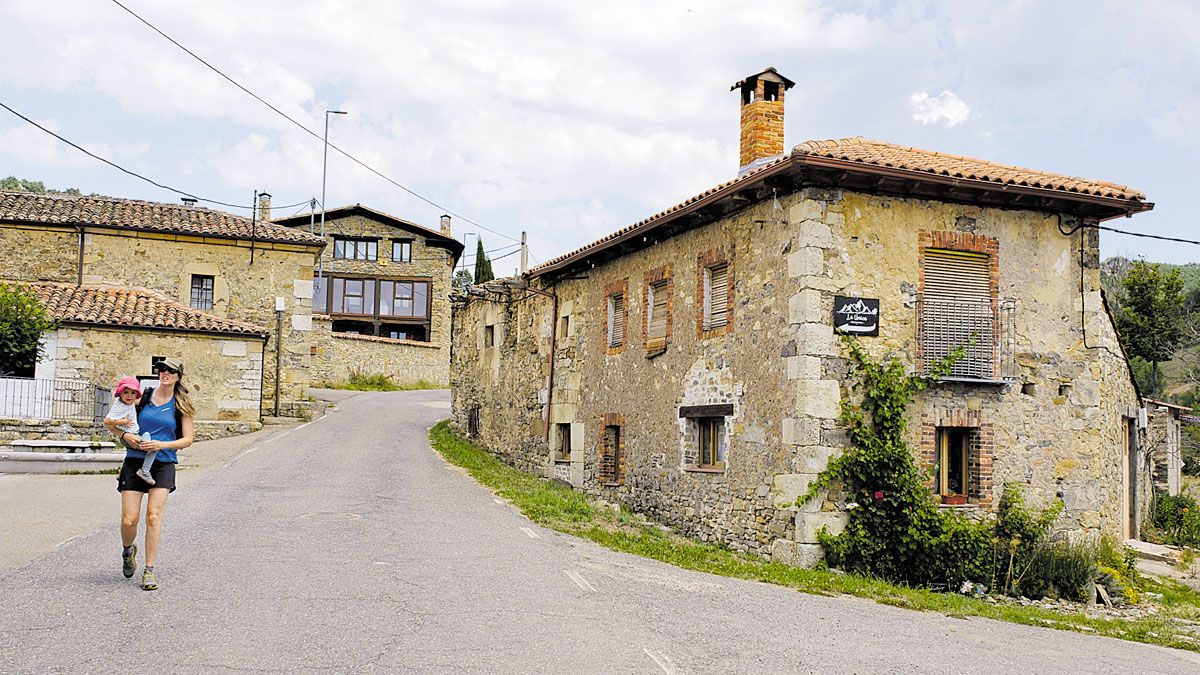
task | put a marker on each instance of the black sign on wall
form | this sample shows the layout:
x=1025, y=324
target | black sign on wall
x=856, y=316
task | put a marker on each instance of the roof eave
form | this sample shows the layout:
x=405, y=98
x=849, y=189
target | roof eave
x=264, y=335
x=207, y=235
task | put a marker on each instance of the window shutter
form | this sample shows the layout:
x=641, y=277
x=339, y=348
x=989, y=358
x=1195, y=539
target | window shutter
x=658, y=311
x=618, y=322
x=956, y=310
x=717, y=296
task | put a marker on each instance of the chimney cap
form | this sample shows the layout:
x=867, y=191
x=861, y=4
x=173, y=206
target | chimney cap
x=188, y=201
x=769, y=74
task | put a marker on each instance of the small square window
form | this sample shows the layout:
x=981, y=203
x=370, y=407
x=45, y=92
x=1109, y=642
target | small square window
x=489, y=336
x=202, y=291
x=402, y=251
x=564, y=325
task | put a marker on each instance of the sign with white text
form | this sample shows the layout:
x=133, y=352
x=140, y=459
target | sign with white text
x=856, y=316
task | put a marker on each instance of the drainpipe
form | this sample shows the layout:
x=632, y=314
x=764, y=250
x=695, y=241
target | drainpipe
x=79, y=266
x=279, y=307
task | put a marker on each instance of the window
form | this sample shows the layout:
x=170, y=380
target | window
x=716, y=296
x=611, y=461
x=489, y=336
x=656, y=311
x=403, y=332
x=353, y=296
x=959, y=309
x=402, y=251
x=350, y=327
x=404, y=298
x=710, y=450
x=616, y=320
x=563, y=435
x=473, y=421
x=952, y=472
x=355, y=249
x=202, y=291
x=564, y=325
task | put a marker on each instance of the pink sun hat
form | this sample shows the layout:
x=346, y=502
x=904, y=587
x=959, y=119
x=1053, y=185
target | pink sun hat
x=128, y=382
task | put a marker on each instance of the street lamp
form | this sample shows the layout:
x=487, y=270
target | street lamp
x=324, y=170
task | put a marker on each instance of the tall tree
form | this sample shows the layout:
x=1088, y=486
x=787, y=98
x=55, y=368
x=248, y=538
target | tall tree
x=23, y=320
x=483, y=266
x=462, y=279
x=1151, y=318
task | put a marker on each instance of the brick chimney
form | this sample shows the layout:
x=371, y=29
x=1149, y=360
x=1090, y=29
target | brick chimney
x=762, y=118
x=264, y=207
x=445, y=224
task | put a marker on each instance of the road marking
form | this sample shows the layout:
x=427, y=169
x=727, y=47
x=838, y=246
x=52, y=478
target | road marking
x=499, y=501
x=580, y=581
x=250, y=450
x=531, y=533
x=303, y=425
x=67, y=541
x=663, y=661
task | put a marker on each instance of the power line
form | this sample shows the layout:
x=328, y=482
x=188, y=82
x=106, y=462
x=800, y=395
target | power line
x=135, y=174
x=1143, y=234
x=312, y=133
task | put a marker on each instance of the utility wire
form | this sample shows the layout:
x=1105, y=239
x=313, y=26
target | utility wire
x=1143, y=234
x=312, y=133
x=135, y=174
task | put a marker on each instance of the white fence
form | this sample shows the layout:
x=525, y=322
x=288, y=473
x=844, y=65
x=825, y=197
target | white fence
x=52, y=399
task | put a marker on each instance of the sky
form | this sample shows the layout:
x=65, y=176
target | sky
x=572, y=120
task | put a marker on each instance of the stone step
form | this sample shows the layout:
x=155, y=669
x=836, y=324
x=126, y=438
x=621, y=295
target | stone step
x=1155, y=552
x=21, y=445
x=58, y=462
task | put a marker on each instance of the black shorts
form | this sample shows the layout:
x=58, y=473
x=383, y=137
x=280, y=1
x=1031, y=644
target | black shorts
x=163, y=473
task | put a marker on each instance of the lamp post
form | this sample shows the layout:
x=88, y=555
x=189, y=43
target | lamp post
x=324, y=170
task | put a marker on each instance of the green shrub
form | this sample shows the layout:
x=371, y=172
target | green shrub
x=1177, y=520
x=1057, y=570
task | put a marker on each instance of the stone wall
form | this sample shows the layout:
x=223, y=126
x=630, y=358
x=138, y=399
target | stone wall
x=1059, y=427
x=1164, y=448
x=223, y=375
x=39, y=430
x=337, y=355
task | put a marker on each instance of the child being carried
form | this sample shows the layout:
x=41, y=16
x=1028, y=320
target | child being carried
x=124, y=408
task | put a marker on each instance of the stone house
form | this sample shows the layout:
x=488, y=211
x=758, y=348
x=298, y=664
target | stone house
x=688, y=365
x=225, y=266
x=381, y=298
x=105, y=333
x=1164, y=444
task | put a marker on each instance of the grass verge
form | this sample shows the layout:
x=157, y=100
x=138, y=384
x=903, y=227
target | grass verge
x=98, y=472
x=381, y=383
x=560, y=508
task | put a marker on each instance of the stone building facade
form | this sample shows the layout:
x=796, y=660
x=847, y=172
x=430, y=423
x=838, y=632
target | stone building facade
x=223, y=265
x=1164, y=445
x=382, y=296
x=105, y=333
x=717, y=418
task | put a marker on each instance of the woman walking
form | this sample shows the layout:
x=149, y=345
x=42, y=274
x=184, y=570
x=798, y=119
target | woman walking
x=166, y=414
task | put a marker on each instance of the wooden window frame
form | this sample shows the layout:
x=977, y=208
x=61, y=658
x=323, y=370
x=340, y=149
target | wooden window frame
x=655, y=281
x=709, y=431
x=705, y=261
x=406, y=246
x=617, y=288
x=562, y=453
x=368, y=245
x=376, y=317
x=980, y=439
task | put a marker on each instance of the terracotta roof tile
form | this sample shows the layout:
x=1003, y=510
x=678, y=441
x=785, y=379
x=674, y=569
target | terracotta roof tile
x=124, y=307
x=65, y=209
x=879, y=153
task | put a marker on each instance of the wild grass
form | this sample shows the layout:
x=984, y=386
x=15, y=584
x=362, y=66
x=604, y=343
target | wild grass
x=360, y=381
x=560, y=508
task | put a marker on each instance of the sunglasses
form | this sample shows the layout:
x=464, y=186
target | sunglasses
x=167, y=369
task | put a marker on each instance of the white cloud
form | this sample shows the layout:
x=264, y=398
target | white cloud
x=945, y=107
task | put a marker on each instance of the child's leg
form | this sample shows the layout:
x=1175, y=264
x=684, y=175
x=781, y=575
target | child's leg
x=144, y=472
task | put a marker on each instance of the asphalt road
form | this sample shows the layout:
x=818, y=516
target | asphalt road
x=348, y=545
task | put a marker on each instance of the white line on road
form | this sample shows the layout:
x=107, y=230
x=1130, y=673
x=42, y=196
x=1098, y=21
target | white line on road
x=499, y=501
x=663, y=661
x=580, y=581
x=250, y=450
x=531, y=533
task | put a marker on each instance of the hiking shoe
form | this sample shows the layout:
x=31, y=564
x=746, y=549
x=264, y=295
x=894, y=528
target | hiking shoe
x=145, y=475
x=129, y=562
x=149, y=580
